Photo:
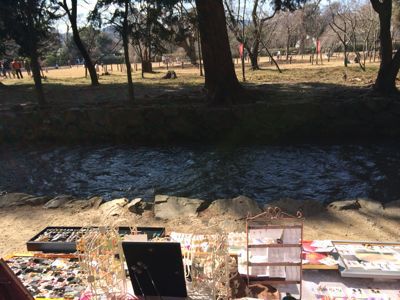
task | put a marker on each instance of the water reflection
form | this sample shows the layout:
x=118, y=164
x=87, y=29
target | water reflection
x=263, y=173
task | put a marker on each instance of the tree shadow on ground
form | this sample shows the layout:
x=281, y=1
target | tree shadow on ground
x=115, y=94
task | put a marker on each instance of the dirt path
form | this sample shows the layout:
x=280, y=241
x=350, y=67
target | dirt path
x=371, y=223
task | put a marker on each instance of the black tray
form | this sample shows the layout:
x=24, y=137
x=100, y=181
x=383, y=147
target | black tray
x=70, y=247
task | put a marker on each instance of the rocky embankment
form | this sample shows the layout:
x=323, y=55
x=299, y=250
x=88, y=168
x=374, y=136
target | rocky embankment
x=23, y=215
x=308, y=119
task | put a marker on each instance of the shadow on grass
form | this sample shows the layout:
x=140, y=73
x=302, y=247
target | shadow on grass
x=115, y=94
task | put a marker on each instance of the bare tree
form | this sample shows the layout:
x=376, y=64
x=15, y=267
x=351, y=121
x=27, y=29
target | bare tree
x=288, y=29
x=237, y=18
x=340, y=26
x=119, y=19
x=367, y=30
x=185, y=28
x=267, y=37
x=71, y=10
x=310, y=23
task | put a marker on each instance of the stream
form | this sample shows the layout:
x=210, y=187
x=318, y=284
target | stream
x=264, y=173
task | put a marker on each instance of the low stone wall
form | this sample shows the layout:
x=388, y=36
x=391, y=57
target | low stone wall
x=255, y=123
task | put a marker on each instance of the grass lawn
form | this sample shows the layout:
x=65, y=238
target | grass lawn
x=298, y=82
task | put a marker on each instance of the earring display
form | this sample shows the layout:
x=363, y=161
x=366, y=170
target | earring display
x=64, y=239
x=56, y=239
x=49, y=277
x=274, y=249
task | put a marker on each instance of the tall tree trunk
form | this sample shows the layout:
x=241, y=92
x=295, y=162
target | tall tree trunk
x=302, y=44
x=125, y=41
x=254, y=60
x=199, y=51
x=147, y=66
x=88, y=62
x=37, y=78
x=221, y=82
x=254, y=55
x=189, y=46
x=386, y=80
x=375, y=38
x=288, y=45
x=34, y=56
x=72, y=15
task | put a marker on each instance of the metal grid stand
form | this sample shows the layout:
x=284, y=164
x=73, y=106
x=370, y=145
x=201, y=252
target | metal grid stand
x=274, y=218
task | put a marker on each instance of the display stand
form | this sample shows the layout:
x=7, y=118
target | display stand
x=274, y=248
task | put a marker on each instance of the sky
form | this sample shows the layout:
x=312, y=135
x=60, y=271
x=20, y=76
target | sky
x=84, y=7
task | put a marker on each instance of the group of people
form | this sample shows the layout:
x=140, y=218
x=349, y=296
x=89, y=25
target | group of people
x=13, y=68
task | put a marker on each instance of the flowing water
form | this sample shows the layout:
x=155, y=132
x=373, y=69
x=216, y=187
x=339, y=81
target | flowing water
x=263, y=173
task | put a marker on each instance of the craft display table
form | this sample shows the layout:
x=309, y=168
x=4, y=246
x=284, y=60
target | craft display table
x=59, y=276
x=318, y=255
x=368, y=259
x=330, y=285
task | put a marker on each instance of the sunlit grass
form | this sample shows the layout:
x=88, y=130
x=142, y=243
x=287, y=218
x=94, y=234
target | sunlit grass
x=69, y=86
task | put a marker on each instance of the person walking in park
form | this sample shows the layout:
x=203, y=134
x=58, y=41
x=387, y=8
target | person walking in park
x=6, y=69
x=27, y=66
x=12, y=70
x=16, y=65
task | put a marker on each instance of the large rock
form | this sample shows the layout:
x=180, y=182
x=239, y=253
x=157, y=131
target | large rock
x=58, y=201
x=135, y=206
x=115, y=207
x=78, y=204
x=225, y=224
x=237, y=208
x=370, y=205
x=13, y=199
x=95, y=202
x=18, y=199
x=36, y=201
x=345, y=205
x=392, y=209
x=170, y=207
x=291, y=206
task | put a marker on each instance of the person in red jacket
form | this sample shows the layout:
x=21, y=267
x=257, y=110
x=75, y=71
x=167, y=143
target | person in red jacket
x=16, y=65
